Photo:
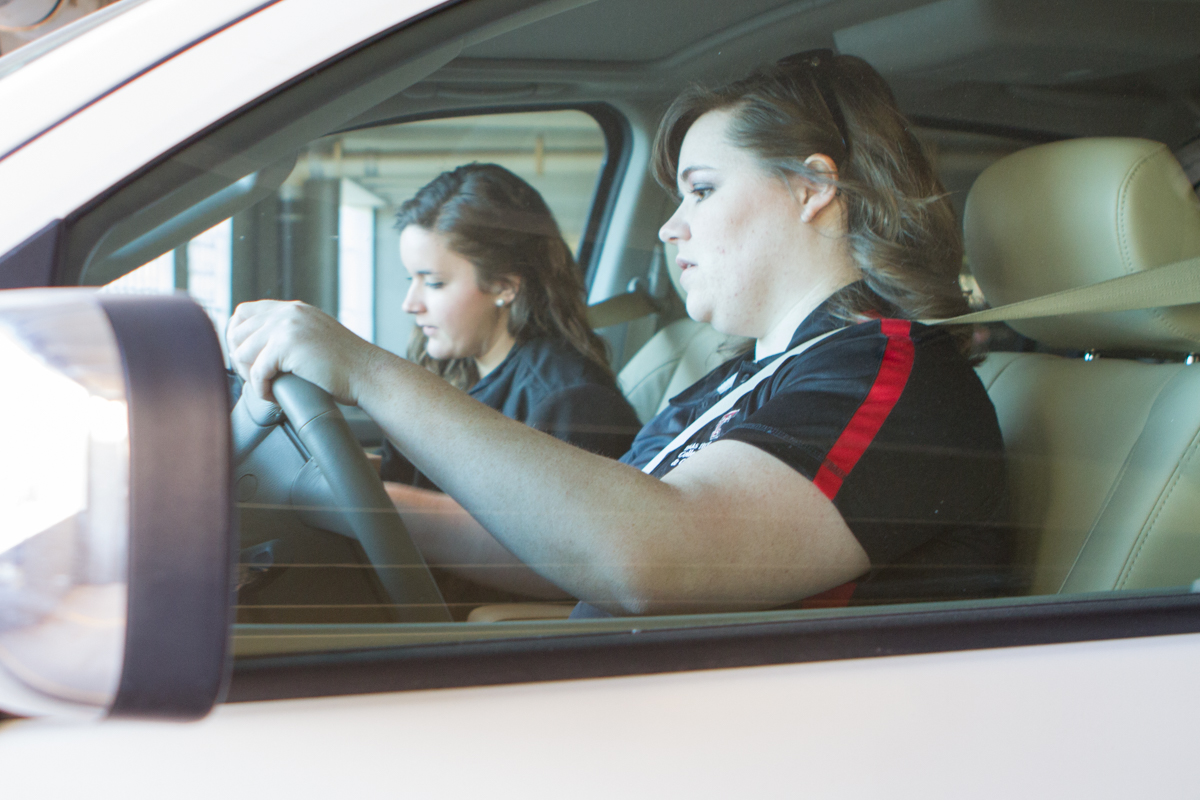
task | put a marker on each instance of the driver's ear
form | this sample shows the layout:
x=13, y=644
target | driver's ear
x=815, y=197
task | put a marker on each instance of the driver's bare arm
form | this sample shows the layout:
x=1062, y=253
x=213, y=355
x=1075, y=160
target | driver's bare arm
x=449, y=537
x=732, y=528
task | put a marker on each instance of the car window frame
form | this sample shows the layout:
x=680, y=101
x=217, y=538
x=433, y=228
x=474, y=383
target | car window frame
x=618, y=147
x=860, y=633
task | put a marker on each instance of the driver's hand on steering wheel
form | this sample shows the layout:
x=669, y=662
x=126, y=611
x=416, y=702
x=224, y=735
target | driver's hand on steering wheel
x=269, y=337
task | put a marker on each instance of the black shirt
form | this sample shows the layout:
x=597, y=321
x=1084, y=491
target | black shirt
x=550, y=386
x=892, y=424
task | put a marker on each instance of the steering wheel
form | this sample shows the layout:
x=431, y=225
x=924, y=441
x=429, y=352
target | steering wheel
x=333, y=473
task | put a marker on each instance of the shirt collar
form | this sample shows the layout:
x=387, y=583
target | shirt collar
x=820, y=320
x=495, y=374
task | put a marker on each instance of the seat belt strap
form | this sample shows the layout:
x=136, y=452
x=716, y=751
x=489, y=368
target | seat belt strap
x=1176, y=284
x=621, y=308
x=727, y=402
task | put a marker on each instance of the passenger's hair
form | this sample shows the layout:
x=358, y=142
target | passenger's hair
x=501, y=224
x=901, y=232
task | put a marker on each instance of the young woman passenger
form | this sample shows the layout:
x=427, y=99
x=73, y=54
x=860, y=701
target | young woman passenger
x=499, y=307
x=867, y=468
x=498, y=302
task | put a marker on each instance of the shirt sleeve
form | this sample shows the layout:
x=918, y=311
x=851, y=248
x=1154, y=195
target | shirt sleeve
x=590, y=416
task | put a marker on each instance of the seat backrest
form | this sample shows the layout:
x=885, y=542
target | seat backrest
x=677, y=356
x=1103, y=470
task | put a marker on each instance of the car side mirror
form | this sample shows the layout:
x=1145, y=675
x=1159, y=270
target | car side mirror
x=116, y=515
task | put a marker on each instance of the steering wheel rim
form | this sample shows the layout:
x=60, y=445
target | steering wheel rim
x=357, y=492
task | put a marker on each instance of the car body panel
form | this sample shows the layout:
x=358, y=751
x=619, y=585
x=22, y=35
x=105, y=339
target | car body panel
x=98, y=147
x=1094, y=719
x=113, y=53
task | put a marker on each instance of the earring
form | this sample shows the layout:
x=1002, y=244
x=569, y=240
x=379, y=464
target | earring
x=499, y=302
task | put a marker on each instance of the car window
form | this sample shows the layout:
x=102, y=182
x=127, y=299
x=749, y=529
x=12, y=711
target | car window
x=327, y=236
x=1099, y=490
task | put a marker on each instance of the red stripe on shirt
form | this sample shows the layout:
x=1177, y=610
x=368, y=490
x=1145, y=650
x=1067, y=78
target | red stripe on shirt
x=870, y=416
x=837, y=597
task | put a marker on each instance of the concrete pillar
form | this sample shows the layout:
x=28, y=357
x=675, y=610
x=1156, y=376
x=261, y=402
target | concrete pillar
x=315, y=261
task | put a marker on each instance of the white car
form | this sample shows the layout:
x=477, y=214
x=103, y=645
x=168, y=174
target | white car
x=241, y=149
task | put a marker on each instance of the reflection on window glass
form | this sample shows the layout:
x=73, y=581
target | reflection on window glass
x=327, y=235
x=558, y=152
x=209, y=260
x=356, y=259
x=157, y=277
x=202, y=268
x=347, y=189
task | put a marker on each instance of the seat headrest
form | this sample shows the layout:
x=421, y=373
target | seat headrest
x=1068, y=214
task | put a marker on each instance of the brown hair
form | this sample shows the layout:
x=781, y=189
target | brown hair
x=901, y=232
x=502, y=226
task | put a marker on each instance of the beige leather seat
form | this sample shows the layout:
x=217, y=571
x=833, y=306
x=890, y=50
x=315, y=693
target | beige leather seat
x=677, y=356
x=1102, y=453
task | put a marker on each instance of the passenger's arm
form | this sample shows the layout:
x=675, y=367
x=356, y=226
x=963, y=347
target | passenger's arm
x=731, y=528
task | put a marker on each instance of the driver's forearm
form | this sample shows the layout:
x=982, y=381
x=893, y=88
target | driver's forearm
x=587, y=523
x=449, y=537
x=731, y=528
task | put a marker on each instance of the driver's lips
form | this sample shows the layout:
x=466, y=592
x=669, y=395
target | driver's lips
x=686, y=269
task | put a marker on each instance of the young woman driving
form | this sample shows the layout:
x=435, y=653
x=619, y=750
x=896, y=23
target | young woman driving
x=867, y=467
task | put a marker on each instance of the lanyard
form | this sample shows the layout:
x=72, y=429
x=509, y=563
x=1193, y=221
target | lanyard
x=727, y=402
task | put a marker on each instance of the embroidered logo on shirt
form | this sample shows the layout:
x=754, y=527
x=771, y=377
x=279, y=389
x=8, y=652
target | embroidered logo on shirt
x=688, y=452
x=721, y=424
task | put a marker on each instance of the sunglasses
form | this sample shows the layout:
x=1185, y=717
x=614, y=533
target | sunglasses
x=818, y=63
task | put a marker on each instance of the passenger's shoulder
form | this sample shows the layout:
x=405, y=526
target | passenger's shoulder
x=555, y=364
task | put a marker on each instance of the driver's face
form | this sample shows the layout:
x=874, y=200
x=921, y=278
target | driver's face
x=459, y=319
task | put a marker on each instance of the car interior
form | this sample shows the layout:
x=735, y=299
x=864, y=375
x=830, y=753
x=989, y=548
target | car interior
x=1061, y=132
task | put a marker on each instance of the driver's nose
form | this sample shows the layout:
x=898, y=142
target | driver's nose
x=675, y=228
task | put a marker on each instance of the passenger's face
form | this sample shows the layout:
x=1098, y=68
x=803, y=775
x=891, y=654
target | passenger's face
x=459, y=319
x=736, y=232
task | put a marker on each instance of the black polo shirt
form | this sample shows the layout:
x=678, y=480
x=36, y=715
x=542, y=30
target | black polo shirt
x=892, y=424
x=548, y=385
